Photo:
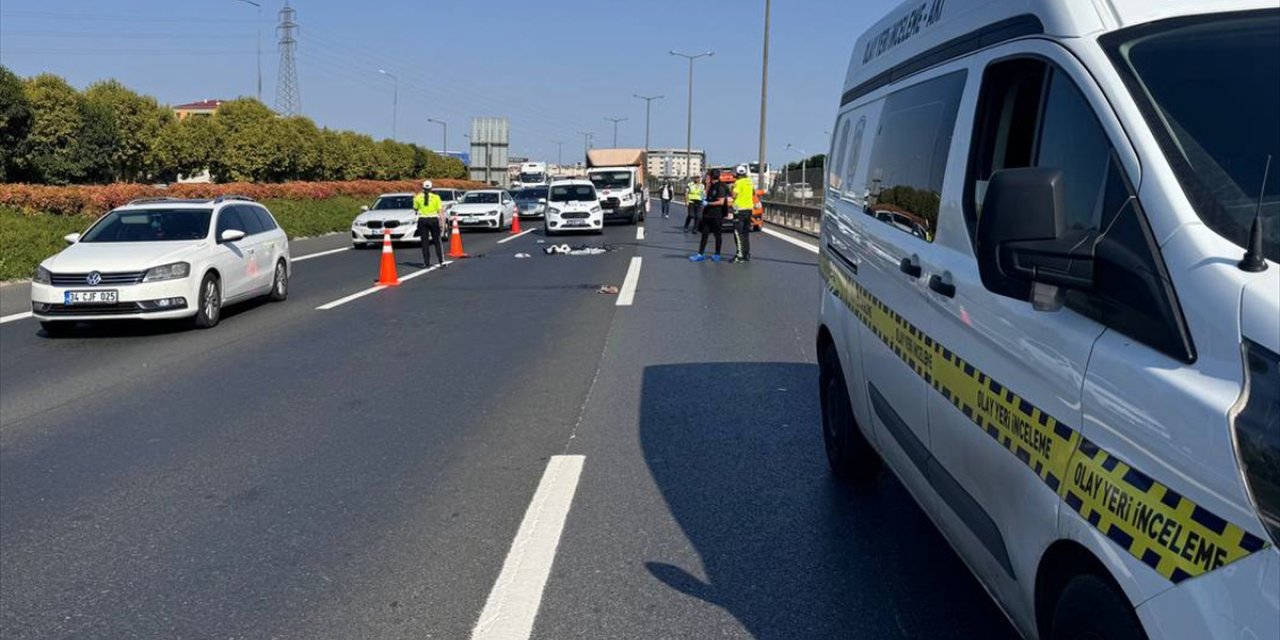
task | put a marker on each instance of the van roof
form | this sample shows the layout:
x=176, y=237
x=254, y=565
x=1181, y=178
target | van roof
x=918, y=26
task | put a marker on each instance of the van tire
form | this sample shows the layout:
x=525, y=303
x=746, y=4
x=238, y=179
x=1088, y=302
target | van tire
x=849, y=454
x=1092, y=609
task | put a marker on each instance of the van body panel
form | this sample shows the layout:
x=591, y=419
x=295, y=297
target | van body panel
x=1238, y=602
x=1260, y=309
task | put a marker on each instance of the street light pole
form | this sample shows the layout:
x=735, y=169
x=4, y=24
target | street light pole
x=586, y=141
x=648, y=102
x=764, y=92
x=259, y=23
x=615, y=122
x=446, y=132
x=688, y=139
x=560, y=154
x=395, y=99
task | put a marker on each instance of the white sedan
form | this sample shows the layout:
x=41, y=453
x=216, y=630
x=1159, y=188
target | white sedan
x=394, y=212
x=485, y=209
x=163, y=258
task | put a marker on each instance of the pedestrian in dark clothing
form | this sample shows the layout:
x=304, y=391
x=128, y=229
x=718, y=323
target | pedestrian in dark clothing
x=719, y=197
x=667, y=194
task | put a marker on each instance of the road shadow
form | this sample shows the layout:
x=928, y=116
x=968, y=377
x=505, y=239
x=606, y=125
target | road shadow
x=145, y=328
x=785, y=548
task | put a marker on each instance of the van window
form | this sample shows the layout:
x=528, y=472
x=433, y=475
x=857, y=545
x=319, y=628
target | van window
x=909, y=158
x=840, y=154
x=855, y=151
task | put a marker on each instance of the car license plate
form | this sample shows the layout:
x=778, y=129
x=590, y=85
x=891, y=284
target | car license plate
x=106, y=296
x=575, y=223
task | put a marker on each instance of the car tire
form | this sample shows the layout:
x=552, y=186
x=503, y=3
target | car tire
x=849, y=454
x=546, y=231
x=1091, y=609
x=208, y=303
x=280, y=282
x=53, y=329
x=359, y=245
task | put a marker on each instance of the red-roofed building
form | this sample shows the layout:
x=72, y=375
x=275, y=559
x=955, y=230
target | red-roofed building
x=203, y=108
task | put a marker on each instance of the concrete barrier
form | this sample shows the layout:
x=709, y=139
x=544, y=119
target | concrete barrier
x=802, y=218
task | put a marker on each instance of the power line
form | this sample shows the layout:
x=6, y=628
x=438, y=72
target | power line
x=99, y=17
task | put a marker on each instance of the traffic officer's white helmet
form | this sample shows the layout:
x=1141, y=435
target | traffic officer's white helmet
x=426, y=184
x=741, y=170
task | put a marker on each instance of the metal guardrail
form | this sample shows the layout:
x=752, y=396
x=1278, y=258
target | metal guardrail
x=797, y=217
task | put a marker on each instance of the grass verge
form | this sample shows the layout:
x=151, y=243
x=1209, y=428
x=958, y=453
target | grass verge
x=27, y=239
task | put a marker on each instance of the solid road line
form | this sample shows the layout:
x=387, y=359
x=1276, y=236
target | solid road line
x=628, y=292
x=513, y=603
x=639, y=233
x=319, y=254
x=786, y=238
x=510, y=238
x=376, y=288
x=16, y=316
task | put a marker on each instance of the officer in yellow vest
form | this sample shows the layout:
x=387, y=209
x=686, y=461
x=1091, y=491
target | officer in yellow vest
x=744, y=201
x=695, y=193
x=428, y=206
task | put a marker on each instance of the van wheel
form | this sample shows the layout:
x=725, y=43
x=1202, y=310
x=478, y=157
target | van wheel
x=280, y=282
x=848, y=452
x=1091, y=609
x=208, y=303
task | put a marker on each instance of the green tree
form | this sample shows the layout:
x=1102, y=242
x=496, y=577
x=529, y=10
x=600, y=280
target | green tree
x=250, y=145
x=95, y=143
x=187, y=147
x=300, y=147
x=15, y=121
x=138, y=121
x=395, y=160
x=48, y=154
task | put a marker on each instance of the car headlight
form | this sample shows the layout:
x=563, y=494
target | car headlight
x=167, y=272
x=553, y=211
x=597, y=210
x=41, y=276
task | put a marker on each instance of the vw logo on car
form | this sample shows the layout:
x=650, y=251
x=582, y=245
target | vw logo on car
x=93, y=279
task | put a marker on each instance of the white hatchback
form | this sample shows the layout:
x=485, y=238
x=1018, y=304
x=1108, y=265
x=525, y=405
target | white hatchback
x=573, y=205
x=164, y=258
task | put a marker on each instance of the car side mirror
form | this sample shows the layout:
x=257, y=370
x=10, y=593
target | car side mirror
x=231, y=235
x=364, y=207
x=1023, y=247
x=71, y=238
x=542, y=200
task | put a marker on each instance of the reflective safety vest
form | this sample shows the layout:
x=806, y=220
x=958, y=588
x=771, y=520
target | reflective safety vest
x=427, y=208
x=696, y=192
x=744, y=192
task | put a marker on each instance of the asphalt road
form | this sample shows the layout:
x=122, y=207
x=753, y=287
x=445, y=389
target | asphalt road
x=363, y=471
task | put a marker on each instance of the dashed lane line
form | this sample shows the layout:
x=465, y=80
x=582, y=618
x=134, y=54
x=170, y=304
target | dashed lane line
x=513, y=603
x=627, y=294
x=16, y=316
x=376, y=288
x=639, y=233
x=786, y=238
x=510, y=238
x=320, y=254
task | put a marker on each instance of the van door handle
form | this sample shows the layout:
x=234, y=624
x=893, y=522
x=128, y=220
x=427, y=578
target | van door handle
x=911, y=266
x=942, y=285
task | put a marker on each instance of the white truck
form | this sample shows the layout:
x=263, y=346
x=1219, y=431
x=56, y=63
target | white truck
x=532, y=174
x=619, y=178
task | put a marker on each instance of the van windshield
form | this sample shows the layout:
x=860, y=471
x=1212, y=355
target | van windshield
x=573, y=193
x=1209, y=88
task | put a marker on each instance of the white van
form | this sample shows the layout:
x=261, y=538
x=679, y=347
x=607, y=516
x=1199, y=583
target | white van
x=1049, y=244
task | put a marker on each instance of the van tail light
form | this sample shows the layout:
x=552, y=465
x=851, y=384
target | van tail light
x=1257, y=432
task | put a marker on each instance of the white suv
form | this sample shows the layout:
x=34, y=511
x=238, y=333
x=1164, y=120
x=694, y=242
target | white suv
x=572, y=205
x=161, y=258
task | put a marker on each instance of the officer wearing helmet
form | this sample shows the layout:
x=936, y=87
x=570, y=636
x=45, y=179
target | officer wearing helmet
x=744, y=201
x=428, y=206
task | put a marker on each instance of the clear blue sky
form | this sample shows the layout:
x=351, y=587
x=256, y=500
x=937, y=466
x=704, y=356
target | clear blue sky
x=554, y=67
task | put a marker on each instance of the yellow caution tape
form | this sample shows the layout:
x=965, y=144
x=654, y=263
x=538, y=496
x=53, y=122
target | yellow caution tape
x=1155, y=524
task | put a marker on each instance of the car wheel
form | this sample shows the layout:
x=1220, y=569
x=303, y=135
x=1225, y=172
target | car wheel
x=280, y=282
x=56, y=329
x=208, y=303
x=359, y=245
x=546, y=231
x=1091, y=609
x=848, y=452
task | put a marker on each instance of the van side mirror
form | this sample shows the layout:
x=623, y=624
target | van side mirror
x=1024, y=249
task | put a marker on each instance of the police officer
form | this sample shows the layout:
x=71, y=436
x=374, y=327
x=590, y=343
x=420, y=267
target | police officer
x=744, y=202
x=694, y=194
x=719, y=199
x=428, y=206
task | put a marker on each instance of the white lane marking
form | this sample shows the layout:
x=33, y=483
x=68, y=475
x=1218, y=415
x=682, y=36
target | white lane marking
x=16, y=316
x=513, y=603
x=376, y=288
x=319, y=254
x=639, y=233
x=786, y=238
x=510, y=238
x=628, y=292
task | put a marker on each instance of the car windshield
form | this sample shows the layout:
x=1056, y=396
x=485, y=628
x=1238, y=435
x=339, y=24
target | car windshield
x=530, y=195
x=611, y=179
x=150, y=225
x=573, y=193
x=1210, y=89
x=393, y=202
x=447, y=194
x=480, y=198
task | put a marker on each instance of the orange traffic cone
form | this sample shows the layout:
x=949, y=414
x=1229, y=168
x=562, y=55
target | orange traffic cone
x=387, y=274
x=455, y=242
x=515, y=222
